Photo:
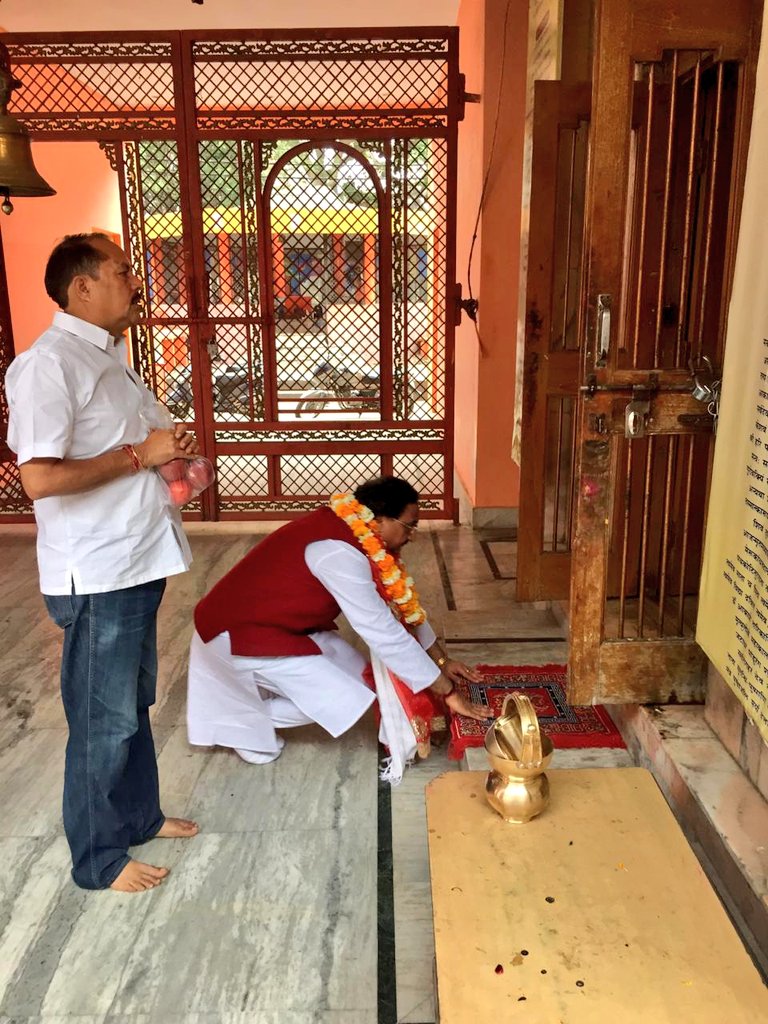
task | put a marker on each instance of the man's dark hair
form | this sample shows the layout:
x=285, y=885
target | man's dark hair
x=74, y=255
x=387, y=496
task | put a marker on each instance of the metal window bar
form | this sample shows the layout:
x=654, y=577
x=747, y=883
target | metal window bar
x=714, y=149
x=689, y=199
x=644, y=211
x=672, y=443
x=684, y=540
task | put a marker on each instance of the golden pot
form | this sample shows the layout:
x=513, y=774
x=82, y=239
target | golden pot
x=516, y=787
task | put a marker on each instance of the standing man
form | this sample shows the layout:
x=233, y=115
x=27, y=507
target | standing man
x=107, y=538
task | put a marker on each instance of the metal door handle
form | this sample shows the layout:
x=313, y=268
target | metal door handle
x=603, y=329
x=212, y=346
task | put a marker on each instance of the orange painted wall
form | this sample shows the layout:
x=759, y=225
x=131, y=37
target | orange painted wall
x=486, y=379
x=87, y=197
x=470, y=177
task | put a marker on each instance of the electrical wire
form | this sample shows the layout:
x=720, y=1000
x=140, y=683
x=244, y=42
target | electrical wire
x=488, y=173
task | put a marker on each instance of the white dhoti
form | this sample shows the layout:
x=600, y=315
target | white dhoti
x=239, y=701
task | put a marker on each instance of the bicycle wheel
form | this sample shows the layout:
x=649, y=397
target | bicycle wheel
x=313, y=402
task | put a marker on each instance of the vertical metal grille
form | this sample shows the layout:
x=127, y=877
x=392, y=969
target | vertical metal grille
x=674, y=309
x=152, y=209
x=355, y=249
x=230, y=196
x=324, y=221
x=323, y=290
x=570, y=192
x=419, y=343
x=564, y=334
x=559, y=453
x=657, y=536
x=680, y=184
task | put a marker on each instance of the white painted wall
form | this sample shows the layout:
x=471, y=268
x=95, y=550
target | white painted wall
x=149, y=15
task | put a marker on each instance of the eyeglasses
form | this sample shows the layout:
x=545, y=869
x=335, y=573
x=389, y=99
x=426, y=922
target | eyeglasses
x=410, y=527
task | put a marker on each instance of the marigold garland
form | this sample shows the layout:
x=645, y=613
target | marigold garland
x=403, y=599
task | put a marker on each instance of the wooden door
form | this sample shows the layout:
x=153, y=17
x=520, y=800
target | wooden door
x=673, y=82
x=553, y=338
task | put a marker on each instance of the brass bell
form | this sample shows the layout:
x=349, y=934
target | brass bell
x=18, y=175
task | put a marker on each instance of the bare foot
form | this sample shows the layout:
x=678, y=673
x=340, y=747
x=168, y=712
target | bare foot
x=137, y=877
x=177, y=828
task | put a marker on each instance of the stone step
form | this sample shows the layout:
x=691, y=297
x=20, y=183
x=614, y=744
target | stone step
x=515, y=622
x=724, y=816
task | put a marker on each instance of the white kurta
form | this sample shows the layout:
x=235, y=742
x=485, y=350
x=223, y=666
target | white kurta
x=239, y=701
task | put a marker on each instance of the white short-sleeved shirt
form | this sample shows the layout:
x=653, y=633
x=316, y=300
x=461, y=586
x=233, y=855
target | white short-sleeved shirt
x=72, y=395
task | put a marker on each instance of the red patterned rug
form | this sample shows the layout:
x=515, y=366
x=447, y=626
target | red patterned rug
x=565, y=725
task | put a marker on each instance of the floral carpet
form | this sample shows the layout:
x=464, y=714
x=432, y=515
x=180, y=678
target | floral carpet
x=566, y=725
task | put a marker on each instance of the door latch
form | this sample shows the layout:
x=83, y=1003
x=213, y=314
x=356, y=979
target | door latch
x=636, y=414
x=602, y=329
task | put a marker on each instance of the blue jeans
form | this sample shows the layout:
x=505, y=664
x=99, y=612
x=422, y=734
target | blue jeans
x=108, y=676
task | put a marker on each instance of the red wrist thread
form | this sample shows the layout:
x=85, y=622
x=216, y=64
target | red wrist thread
x=136, y=462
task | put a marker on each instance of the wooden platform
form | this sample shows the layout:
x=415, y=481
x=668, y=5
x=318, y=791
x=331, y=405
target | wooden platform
x=593, y=913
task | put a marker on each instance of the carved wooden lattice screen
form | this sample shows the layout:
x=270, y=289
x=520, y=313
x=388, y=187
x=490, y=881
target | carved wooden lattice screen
x=289, y=203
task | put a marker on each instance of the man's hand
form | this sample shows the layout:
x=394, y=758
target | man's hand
x=457, y=672
x=460, y=706
x=162, y=446
x=43, y=478
x=187, y=440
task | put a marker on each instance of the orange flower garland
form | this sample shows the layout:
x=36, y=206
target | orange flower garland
x=403, y=599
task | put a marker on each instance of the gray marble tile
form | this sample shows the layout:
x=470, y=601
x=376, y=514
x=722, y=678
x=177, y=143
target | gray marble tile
x=414, y=939
x=30, y=670
x=414, y=952
x=504, y=554
x=419, y=557
x=180, y=766
x=38, y=904
x=505, y=622
x=246, y=1017
x=268, y=920
x=317, y=782
x=31, y=780
x=246, y=922
x=410, y=855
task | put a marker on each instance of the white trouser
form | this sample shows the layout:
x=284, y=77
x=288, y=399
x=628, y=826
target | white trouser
x=238, y=701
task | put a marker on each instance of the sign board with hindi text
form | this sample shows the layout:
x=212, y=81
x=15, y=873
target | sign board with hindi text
x=732, y=625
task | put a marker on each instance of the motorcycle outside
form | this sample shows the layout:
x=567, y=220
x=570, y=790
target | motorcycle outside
x=353, y=391
x=231, y=393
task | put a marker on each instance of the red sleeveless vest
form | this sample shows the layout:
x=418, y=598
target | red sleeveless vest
x=270, y=601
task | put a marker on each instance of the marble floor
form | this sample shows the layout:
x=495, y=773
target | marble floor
x=306, y=896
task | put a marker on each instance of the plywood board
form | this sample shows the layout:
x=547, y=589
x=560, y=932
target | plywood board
x=596, y=911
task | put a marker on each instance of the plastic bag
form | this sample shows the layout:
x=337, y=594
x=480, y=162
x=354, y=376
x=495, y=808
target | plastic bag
x=184, y=478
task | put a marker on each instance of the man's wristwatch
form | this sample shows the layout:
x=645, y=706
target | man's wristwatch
x=441, y=660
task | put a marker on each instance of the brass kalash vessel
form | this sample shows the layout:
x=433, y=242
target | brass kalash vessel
x=517, y=787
